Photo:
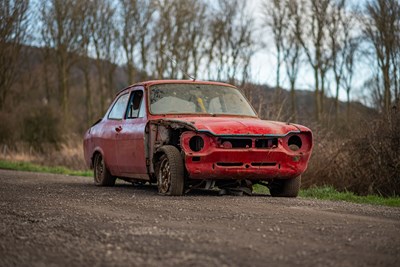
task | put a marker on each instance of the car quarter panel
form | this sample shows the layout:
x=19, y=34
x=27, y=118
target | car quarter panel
x=102, y=138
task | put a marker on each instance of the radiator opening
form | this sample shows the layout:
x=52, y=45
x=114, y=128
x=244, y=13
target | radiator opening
x=267, y=143
x=236, y=142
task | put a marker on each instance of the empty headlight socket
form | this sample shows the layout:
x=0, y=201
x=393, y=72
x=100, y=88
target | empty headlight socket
x=294, y=142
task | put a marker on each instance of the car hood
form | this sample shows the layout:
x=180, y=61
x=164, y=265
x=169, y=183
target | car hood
x=236, y=126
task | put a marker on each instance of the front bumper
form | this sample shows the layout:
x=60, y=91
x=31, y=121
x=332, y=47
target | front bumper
x=252, y=164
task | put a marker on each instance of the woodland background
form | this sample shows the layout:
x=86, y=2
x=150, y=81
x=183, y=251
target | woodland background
x=61, y=63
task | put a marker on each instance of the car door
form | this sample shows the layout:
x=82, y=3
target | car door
x=131, y=138
x=110, y=130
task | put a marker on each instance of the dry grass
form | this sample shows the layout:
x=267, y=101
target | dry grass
x=69, y=154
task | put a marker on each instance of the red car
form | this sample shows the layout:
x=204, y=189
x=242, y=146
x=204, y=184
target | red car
x=192, y=134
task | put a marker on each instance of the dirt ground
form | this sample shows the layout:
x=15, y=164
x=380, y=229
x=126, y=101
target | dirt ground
x=56, y=220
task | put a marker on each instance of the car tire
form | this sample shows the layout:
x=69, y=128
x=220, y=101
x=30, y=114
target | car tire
x=102, y=176
x=170, y=172
x=285, y=187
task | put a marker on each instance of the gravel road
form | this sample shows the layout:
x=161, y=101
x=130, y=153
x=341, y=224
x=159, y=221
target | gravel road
x=57, y=220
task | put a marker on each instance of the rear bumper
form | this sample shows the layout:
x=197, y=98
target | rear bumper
x=252, y=164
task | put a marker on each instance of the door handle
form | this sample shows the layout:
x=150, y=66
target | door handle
x=118, y=129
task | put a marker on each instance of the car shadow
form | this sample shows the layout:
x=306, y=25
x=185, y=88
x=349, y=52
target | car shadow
x=192, y=192
x=151, y=189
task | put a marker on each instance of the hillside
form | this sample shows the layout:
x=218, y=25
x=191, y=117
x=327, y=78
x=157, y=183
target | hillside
x=33, y=100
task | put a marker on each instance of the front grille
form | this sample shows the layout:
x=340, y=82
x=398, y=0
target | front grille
x=237, y=142
x=266, y=143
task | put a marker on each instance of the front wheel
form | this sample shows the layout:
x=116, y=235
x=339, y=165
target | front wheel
x=285, y=187
x=102, y=176
x=170, y=172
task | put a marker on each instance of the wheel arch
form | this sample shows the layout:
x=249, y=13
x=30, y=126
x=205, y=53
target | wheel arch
x=96, y=151
x=176, y=168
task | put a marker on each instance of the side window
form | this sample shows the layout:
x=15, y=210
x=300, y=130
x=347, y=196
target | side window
x=118, y=110
x=135, y=103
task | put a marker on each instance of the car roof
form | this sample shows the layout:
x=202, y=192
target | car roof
x=146, y=84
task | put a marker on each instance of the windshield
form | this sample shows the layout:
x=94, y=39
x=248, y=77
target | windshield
x=198, y=99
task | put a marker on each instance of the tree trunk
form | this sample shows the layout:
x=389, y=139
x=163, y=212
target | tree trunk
x=387, y=93
x=395, y=81
x=337, y=101
x=101, y=86
x=293, y=100
x=143, y=52
x=129, y=72
x=88, y=98
x=63, y=88
x=110, y=81
x=46, y=79
x=278, y=66
x=322, y=94
x=348, y=105
x=260, y=107
x=316, y=94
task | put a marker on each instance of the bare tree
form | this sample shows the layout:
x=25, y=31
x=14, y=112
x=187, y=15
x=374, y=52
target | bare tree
x=13, y=27
x=85, y=62
x=232, y=42
x=313, y=36
x=381, y=29
x=144, y=19
x=47, y=61
x=105, y=38
x=352, y=47
x=189, y=37
x=61, y=24
x=341, y=26
x=292, y=49
x=179, y=38
x=162, y=38
x=216, y=51
x=136, y=31
x=276, y=17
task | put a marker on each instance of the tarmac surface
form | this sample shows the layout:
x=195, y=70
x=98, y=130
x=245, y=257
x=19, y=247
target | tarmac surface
x=57, y=220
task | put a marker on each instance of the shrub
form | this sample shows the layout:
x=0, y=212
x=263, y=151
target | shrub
x=365, y=161
x=7, y=129
x=41, y=129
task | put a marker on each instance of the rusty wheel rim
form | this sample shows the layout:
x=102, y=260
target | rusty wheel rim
x=99, y=169
x=164, y=176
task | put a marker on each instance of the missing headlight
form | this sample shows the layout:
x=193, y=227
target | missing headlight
x=196, y=143
x=294, y=142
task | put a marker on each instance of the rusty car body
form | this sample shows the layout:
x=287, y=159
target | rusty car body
x=184, y=134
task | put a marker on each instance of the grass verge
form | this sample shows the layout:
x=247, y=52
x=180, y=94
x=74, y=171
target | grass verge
x=326, y=192
x=330, y=193
x=27, y=166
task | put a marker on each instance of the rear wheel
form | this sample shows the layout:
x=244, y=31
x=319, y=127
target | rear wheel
x=102, y=177
x=170, y=172
x=285, y=187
